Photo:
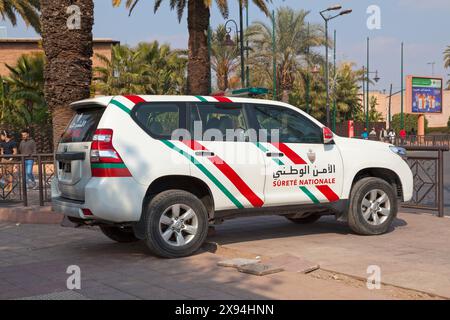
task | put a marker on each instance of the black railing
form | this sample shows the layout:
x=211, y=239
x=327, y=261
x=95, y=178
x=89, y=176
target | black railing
x=427, y=165
x=14, y=185
x=426, y=141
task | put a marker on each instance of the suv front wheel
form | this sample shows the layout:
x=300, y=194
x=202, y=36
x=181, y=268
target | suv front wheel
x=176, y=224
x=373, y=206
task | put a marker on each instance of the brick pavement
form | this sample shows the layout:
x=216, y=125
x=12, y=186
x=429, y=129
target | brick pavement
x=34, y=259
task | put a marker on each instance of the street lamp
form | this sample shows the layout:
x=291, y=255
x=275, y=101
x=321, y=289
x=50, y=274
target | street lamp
x=376, y=78
x=230, y=42
x=327, y=18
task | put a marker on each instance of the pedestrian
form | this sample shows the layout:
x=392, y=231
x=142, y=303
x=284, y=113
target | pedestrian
x=402, y=135
x=412, y=134
x=8, y=147
x=383, y=135
x=365, y=134
x=391, y=136
x=373, y=134
x=27, y=148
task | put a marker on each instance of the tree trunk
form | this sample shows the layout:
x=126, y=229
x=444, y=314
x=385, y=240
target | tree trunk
x=68, y=71
x=199, y=64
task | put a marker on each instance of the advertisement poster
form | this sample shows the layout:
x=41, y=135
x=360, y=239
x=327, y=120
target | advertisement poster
x=426, y=95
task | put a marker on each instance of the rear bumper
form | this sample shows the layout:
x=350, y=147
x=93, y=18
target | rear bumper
x=109, y=199
x=68, y=207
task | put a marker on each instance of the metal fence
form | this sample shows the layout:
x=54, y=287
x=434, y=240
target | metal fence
x=426, y=141
x=14, y=185
x=427, y=165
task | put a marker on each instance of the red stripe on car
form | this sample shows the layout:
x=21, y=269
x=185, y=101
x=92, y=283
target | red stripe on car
x=135, y=99
x=223, y=99
x=234, y=178
x=328, y=193
x=111, y=172
x=294, y=157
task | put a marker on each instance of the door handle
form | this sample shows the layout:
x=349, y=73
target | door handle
x=275, y=155
x=205, y=154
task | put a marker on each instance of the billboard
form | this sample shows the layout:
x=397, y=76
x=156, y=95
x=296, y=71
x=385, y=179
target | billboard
x=424, y=94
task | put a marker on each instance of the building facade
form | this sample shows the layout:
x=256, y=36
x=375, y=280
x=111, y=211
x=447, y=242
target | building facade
x=434, y=120
x=12, y=48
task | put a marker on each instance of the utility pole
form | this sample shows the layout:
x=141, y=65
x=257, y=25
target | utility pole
x=308, y=71
x=402, y=117
x=274, y=51
x=368, y=84
x=241, y=26
x=247, y=47
x=334, y=85
x=390, y=105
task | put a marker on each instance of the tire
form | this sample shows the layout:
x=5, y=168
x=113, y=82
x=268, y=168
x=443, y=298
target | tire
x=168, y=235
x=119, y=234
x=377, y=218
x=311, y=218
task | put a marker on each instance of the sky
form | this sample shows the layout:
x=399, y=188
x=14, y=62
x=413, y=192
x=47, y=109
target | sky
x=421, y=24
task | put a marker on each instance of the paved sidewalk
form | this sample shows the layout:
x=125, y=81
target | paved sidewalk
x=34, y=260
x=415, y=254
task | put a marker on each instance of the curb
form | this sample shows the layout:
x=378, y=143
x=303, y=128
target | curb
x=30, y=215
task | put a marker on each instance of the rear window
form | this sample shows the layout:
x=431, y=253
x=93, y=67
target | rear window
x=83, y=125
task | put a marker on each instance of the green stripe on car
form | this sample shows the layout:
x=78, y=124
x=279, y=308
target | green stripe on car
x=108, y=166
x=205, y=171
x=121, y=106
x=310, y=195
x=202, y=99
x=265, y=150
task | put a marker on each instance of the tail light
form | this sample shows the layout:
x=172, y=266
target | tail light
x=102, y=150
x=105, y=160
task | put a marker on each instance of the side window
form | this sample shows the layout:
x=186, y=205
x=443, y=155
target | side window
x=292, y=126
x=218, y=121
x=158, y=119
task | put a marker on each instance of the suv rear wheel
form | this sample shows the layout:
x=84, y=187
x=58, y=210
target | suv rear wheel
x=373, y=206
x=119, y=234
x=176, y=224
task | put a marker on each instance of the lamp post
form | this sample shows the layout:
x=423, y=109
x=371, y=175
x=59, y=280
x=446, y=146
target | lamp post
x=327, y=18
x=274, y=53
x=240, y=37
x=376, y=79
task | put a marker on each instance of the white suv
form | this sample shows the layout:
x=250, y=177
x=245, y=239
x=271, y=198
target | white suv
x=164, y=168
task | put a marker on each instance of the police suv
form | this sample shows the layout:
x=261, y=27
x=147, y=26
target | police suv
x=164, y=168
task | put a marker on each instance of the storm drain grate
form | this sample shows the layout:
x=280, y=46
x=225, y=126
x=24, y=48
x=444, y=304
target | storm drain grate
x=64, y=295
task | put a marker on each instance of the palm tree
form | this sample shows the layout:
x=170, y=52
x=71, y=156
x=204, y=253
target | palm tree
x=224, y=58
x=23, y=104
x=149, y=68
x=447, y=57
x=293, y=38
x=199, y=64
x=447, y=62
x=27, y=9
x=68, y=71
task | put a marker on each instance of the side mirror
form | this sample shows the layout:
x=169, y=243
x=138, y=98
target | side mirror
x=328, y=136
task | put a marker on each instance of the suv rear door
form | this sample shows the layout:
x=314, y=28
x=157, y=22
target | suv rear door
x=73, y=167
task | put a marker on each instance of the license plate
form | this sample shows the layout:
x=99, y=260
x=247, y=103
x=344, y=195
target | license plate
x=65, y=167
